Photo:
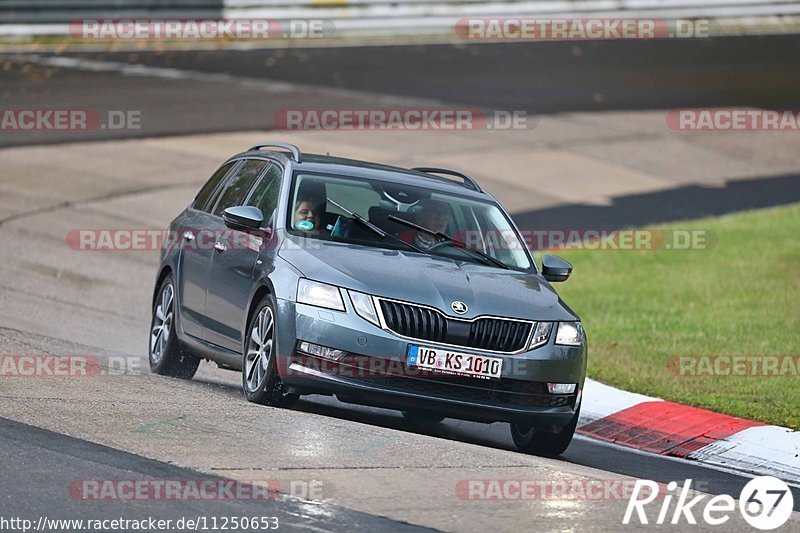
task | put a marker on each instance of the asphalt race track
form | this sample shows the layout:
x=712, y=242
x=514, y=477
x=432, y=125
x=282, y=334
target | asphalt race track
x=30, y=453
x=224, y=90
x=378, y=471
x=540, y=78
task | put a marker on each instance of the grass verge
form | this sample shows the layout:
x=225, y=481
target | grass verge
x=741, y=296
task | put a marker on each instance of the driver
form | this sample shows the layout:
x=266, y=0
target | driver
x=433, y=215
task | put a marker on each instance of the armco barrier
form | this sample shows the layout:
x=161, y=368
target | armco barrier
x=64, y=11
x=386, y=17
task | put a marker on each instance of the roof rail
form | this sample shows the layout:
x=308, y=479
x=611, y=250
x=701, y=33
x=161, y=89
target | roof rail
x=296, y=154
x=468, y=182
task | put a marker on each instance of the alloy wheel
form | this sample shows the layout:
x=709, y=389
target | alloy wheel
x=259, y=349
x=162, y=323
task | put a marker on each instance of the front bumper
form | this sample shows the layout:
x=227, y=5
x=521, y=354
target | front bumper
x=374, y=371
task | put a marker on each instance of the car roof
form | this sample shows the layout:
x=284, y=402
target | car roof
x=365, y=169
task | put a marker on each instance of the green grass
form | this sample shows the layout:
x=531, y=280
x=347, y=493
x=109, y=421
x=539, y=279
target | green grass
x=739, y=297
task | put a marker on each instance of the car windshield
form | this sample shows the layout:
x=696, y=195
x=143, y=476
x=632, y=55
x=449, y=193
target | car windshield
x=321, y=207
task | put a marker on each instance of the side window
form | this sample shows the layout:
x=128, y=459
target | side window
x=208, y=189
x=265, y=193
x=238, y=184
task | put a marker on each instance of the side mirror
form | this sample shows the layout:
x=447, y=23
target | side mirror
x=555, y=269
x=243, y=217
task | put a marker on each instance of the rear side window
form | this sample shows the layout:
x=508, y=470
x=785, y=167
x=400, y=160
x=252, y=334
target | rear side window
x=265, y=193
x=238, y=184
x=208, y=189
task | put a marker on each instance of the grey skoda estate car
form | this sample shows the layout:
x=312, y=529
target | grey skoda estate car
x=404, y=289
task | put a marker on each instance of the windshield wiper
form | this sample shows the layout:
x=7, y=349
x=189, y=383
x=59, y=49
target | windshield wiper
x=377, y=230
x=447, y=238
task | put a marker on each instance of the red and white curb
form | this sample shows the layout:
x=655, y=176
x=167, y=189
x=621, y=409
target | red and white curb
x=667, y=428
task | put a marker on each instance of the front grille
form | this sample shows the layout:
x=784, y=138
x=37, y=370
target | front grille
x=494, y=334
x=497, y=334
x=415, y=322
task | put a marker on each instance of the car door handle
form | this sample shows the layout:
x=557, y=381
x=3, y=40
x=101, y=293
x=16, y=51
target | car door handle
x=218, y=246
x=188, y=236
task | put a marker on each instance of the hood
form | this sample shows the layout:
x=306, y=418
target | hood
x=431, y=280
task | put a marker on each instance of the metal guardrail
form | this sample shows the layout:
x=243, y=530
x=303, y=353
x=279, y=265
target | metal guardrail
x=66, y=11
x=375, y=17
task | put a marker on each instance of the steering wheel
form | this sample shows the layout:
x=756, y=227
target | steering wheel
x=440, y=244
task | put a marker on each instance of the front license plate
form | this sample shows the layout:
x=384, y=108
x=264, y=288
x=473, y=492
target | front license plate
x=455, y=363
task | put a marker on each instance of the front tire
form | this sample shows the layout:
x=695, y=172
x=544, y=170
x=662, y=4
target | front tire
x=260, y=380
x=166, y=355
x=529, y=440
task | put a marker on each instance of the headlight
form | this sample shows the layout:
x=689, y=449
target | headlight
x=364, y=306
x=319, y=294
x=569, y=333
x=541, y=334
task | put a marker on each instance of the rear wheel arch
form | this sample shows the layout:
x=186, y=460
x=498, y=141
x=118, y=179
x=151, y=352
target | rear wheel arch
x=166, y=355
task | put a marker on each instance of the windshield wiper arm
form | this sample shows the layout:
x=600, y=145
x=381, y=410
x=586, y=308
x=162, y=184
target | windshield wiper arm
x=457, y=243
x=377, y=229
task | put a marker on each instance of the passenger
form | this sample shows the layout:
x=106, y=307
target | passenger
x=307, y=214
x=433, y=215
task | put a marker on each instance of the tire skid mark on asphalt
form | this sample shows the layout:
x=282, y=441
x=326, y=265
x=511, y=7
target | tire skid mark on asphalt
x=30, y=340
x=171, y=73
x=87, y=201
x=77, y=305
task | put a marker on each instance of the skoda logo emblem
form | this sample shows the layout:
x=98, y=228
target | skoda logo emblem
x=459, y=307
